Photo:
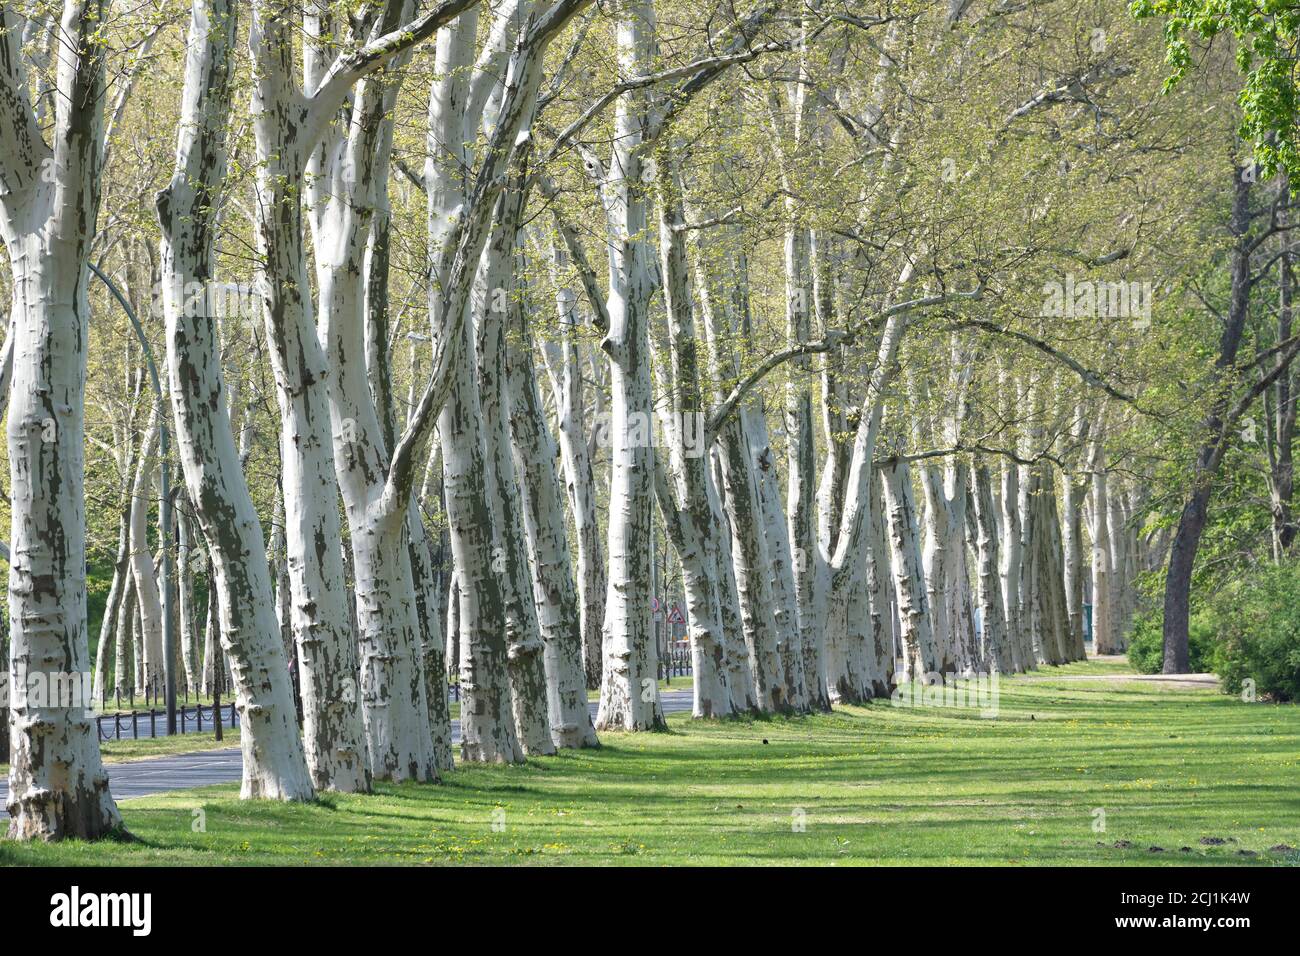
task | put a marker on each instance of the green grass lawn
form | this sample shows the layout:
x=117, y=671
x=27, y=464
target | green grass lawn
x=878, y=784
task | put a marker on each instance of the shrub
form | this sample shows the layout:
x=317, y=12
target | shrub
x=1146, y=647
x=1258, y=622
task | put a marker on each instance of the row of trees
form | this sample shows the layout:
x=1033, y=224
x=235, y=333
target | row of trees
x=853, y=310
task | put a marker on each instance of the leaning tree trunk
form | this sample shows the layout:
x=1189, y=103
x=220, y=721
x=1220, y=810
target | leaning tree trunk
x=478, y=631
x=240, y=581
x=757, y=574
x=688, y=503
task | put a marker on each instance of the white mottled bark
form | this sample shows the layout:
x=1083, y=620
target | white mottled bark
x=459, y=227
x=123, y=668
x=881, y=597
x=283, y=121
x=916, y=637
x=746, y=565
x=554, y=591
x=353, y=161
x=629, y=695
x=689, y=506
x=274, y=765
x=1119, y=578
x=1009, y=564
x=563, y=364
x=526, y=664
x=845, y=565
x=1104, y=637
x=148, y=597
x=57, y=786
x=995, y=644
x=487, y=720
x=1075, y=489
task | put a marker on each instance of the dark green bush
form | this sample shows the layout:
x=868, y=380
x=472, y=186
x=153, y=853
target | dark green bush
x=1146, y=642
x=1258, y=624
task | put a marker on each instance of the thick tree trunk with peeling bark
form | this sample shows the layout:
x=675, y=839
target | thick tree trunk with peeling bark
x=845, y=565
x=629, y=695
x=274, y=764
x=939, y=560
x=353, y=161
x=758, y=568
x=1010, y=563
x=563, y=364
x=432, y=645
x=916, y=637
x=801, y=466
x=321, y=620
x=1121, y=584
x=883, y=600
x=556, y=597
x=688, y=502
x=527, y=669
x=57, y=785
x=995, y=644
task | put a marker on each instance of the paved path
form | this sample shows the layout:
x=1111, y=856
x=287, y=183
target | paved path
x=140, y=778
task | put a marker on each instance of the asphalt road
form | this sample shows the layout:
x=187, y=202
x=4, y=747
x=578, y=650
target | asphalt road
x=140, y=778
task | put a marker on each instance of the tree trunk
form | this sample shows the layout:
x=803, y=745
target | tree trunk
x=564, y=371
x=57, y=785
x=528, y=676
x=148, y=598
x=1072, y=544
x=124, y=649
x=1191, y=522
x=556, y=597
x=995, y=645
x=274, y=766
x=629, y=695
x=353, y=160
x=919, y=655
x=327, y=649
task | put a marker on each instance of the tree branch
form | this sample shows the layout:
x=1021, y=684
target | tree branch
x=350, y=67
